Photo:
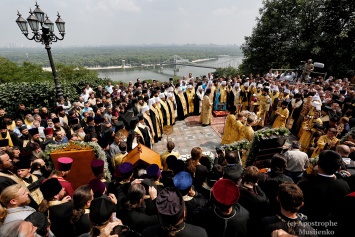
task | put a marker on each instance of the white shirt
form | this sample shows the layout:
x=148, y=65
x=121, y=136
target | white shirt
x=85, y=96
x=294, y=104
x=109, y=88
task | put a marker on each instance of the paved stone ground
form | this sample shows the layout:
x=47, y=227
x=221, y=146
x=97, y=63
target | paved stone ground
x=189, y=133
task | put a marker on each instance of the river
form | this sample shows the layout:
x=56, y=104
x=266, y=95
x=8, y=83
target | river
x=131, y=74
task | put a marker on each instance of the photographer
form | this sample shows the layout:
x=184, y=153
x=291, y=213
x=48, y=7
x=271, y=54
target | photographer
x=307, y=69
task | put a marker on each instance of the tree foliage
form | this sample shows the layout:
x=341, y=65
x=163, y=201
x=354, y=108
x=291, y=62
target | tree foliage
x=290, y=31
x=30, y=85
x=113, y=55
x=226, y=72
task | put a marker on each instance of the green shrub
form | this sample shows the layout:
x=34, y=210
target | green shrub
x=41, y=94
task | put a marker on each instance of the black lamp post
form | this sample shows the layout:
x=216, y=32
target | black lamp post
x=37, y=20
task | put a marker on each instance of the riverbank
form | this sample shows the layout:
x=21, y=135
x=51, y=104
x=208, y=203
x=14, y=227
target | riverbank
x=203, y=60
x=129, y=66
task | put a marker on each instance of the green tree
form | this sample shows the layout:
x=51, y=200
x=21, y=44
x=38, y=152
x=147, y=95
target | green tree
x=290, y=31
x=226, y=72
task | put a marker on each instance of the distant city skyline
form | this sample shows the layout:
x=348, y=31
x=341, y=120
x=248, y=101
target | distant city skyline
x=137, y=22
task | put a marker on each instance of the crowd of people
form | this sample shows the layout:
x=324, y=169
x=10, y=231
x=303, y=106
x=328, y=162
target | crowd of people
x=198, y=197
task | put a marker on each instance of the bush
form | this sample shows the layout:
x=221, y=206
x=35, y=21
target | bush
x=41, y=94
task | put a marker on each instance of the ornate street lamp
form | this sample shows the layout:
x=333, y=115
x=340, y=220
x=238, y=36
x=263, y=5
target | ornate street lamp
x=39, y=21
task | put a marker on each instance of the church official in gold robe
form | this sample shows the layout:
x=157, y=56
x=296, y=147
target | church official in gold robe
x=206, y=110
x=264, y=105
x=326, y=142
x=239, y=124
x=247, y=132
x=230, y=129
x=282, y=115
x=308, y=131
x=190, y=94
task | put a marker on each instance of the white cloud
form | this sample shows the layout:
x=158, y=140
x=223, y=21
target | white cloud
x=122, y=5
x=182, y=11
x=224, y=11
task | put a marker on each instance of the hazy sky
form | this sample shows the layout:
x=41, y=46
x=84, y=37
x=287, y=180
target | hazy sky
x=122, y=22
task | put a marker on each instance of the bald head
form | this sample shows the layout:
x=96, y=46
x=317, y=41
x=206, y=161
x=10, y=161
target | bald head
x=343, y=150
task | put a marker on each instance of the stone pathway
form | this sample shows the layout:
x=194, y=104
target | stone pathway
x=189, y=133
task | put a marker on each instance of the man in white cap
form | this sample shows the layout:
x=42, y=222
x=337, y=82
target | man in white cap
x=234, y=97
x=164, y=109
x=189, y=97
x=198, y=100
x=286, y=94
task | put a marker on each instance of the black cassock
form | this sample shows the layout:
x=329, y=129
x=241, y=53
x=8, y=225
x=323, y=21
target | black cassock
x=59, y=215
x=165, y=119
x=180, y=109
x=152, y=117
x=197, y=105
x=172, y=112
x=131, y=135
x=187, y=103
x=230, y=100
x=146, y=136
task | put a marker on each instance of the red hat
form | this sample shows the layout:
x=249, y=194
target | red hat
x=226, y=192
x=64, y=164
x=48, y=131
x=97, y=187
x=59, y=108
x=97, y=166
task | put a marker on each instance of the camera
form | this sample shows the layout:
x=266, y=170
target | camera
x=219, y=150
x=120, y=230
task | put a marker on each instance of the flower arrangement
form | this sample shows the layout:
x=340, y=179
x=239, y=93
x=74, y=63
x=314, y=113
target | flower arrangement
x=252, y=147
x=262, y=135
x=265, y=134
x=236, y=146
x=78, y=145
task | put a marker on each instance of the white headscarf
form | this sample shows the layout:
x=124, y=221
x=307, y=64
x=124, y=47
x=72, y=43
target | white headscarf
x=145, y=108
x=151, y=101
x=199, y=93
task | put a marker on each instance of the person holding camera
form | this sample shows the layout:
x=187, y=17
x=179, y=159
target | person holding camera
x=307, y=69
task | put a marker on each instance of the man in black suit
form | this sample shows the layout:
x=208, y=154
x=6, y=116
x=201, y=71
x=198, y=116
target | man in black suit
x=325, y=190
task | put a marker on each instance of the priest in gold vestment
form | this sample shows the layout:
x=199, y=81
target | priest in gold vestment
x=282, y=115
x=308, y=131
x=326, y=142
x=206, y=110
x=230, y=129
